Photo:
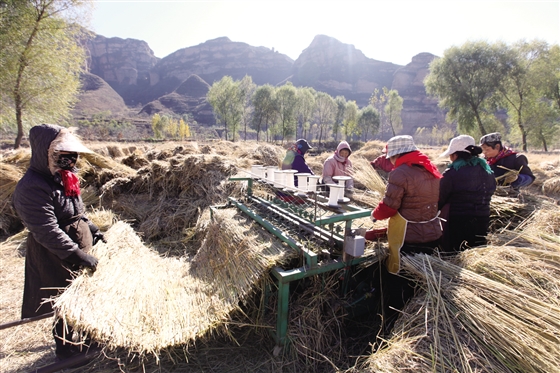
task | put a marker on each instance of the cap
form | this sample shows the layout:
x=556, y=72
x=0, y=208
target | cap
x=491, y=137
x=303, y=145
x=399, y=145
x=458, y=144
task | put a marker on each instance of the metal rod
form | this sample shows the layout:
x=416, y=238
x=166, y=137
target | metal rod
x=26, y=320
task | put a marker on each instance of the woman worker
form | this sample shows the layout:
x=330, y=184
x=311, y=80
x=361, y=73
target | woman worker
x=501, y=159
x=47, y=199
x=464, y=194
x=411, y=204
x=339, y=164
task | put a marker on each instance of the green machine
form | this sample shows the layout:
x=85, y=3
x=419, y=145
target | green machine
x=318, y=227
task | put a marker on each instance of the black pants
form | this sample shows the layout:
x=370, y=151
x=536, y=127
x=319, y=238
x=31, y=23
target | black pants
x=63, y=348
x=398, y=290
x=461, y=232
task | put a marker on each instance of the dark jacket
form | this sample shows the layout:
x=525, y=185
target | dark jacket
x=515, y=161
x=467, y=190
x=294, y=161
x=56, y=223
x=414, y=192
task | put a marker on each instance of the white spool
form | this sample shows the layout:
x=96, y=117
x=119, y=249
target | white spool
x=279, y=178
x=289, y=179
x=333, y=194
x=341, y=182
x=255, y=171
x=270, y=170
x=302, y=181
x=312, y=183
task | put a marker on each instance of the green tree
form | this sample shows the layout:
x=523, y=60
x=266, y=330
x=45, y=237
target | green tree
x=286, y=103
x=378, y=100
x=350, y=119
x=41, y=59
x=247, y=90
x=325, y=110
x=227, y=100
x=368, y=122
x=466, y=81
x=340, y=113
x=545, y=123
x=264, y=110
x=393, y=110
x=184, y=129
x=521, y=86
x=550, y=69
x=305, y=109
x=157, y=126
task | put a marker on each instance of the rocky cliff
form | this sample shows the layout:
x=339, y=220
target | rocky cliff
x=327, y=65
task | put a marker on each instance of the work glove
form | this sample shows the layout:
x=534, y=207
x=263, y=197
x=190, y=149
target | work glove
x=82, y=259
x=98, y=236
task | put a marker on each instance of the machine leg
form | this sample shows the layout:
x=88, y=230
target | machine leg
x=282, y=317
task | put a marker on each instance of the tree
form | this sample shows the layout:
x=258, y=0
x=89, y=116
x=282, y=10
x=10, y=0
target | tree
x=286, y=103
x=247, y=89
x=340, y=102
x=550, y=68
x=393, y=110
x=378, y=100
x=305, y=108
x=466, y=81
x=368, y=122
x=264, y=110
x=157, y=126
x=325, y=109
x=184, y=129
x=41, y=59
x=545, y=123
x=350, y=119
x=227, y=99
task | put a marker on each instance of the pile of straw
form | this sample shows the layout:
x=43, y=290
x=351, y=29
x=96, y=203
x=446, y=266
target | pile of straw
x=468, y=322
x=364, y=174
x=145, y=303
x=551, y=187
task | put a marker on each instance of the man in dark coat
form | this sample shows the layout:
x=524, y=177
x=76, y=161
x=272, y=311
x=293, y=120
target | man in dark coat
x=294, y=159
x=48, y=201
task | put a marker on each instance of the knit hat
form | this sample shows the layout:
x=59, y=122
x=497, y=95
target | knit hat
x=399, y=145
x=458, y=144
x=491, y=137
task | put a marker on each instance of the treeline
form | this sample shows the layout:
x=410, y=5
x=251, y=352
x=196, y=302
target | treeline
x=285, y=112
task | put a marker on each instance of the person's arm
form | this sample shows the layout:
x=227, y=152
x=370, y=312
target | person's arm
x=349, y=170
x=445, y=188
x=392, y=199
x=522, y=164
x=328, y=171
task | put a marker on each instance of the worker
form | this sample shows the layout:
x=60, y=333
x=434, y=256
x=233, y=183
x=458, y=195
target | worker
x=382, y=164
x=339, y=164
x=509, y=167
x=411, y=205
x=48, y=201
x=464, y=194
x=294, y=159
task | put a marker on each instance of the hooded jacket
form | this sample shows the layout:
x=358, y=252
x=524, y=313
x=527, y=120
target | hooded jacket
x=56, y=222
x=336, y=165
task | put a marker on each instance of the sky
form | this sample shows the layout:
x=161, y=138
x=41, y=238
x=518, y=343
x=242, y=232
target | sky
x=385, y=30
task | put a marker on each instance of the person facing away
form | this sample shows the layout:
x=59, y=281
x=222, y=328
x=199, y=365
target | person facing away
x=411, y=204
x=465, y=193
x=48, y=201
x=294, y=159
x=499, y=156
x=339, y=164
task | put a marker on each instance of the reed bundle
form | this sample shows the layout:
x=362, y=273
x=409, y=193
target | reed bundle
x=145, y=303
x=365, y=174
x=518, y=330
x=551, y=187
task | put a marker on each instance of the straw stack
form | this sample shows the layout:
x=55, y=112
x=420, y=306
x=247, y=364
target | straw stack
x=144, y=302
x=366, y=175
x=466, y=322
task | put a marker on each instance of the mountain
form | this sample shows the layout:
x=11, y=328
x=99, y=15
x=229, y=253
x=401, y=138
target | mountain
x=178, y=82
x=97, y=96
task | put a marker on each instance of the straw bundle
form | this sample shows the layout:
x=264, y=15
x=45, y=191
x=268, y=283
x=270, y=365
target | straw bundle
x=144, y=302
x=521, y=331
x=366, y=175
x=551, y=187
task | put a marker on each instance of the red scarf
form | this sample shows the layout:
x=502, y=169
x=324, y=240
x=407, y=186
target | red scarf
x=418, y=158
x=505, y=152
x=70, y=182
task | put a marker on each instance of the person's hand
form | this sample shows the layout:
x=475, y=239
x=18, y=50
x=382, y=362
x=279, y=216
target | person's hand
x=82, y=259
x=98, y=236
x=373, y=219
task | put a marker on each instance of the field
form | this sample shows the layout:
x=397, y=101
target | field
x=164, y=192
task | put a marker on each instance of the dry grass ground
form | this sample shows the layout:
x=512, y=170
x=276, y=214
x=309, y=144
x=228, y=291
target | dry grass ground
x=141, y=183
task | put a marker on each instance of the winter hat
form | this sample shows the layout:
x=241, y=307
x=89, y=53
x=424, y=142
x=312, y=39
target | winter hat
x=458, y=144
x=68, y=142
x=399, y=145
x=491, y=137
